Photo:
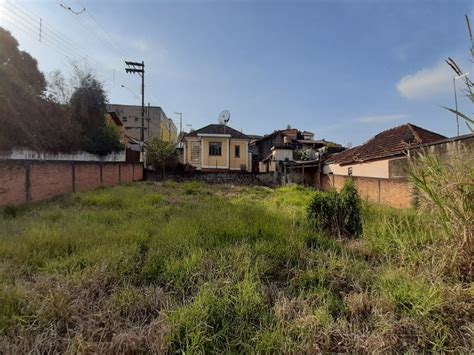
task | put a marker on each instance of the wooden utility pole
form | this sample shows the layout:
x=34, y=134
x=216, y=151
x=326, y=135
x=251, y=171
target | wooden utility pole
x=139, y=68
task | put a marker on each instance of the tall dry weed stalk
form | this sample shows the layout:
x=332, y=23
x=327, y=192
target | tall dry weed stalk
x=446, y=195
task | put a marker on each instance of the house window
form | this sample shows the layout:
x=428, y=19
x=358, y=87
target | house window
x=349, y=171
x=124, y=119
x=237, y=151
x=215, y=149
x=136, y=119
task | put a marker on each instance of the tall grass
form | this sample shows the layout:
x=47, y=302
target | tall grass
x=198, y=268
x=446, y=197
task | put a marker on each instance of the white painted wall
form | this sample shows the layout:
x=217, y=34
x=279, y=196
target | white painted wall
x=376, y=169
x=26, y=154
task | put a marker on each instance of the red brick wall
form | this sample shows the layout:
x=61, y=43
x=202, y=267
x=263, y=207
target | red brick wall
x=12, y=183
x=391, y=192
x=87, y=176
x=137, y=172
x=23, y=181
x=50, y=179
x=110, y=174
x=126, y=173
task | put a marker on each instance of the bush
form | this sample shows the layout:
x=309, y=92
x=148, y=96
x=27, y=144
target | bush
x=337, y=213
x=350, y=206
x=104, y=141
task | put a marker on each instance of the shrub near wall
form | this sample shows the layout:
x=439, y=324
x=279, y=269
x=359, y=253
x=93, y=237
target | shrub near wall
x=337, y=213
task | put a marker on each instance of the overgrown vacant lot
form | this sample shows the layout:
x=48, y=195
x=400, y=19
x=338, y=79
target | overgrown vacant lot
x=151, y=268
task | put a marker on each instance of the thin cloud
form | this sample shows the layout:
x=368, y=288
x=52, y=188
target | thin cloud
x=383, y=118
x=141, y=45
x=427, y=82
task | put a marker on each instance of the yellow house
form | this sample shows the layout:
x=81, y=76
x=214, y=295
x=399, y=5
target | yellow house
x=217, y=147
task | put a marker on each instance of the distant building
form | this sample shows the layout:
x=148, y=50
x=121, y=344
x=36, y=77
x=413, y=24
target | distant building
x=168, y=130
x=157, y=124
x=283, y=145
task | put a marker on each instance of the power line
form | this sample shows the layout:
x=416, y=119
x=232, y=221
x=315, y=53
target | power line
x=55, y=39
x=65, y=45
x=26, y=28
x=104, y=31
x=110, y=43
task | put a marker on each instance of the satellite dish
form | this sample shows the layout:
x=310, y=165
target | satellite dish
x=224, y=117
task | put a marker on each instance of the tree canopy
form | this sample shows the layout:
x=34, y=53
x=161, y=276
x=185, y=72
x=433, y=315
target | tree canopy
x=31, y=117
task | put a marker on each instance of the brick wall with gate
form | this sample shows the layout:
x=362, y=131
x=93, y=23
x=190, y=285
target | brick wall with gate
x=23, y=181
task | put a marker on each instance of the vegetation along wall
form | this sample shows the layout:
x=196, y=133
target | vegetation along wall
x=396, y=193
x=23, y=181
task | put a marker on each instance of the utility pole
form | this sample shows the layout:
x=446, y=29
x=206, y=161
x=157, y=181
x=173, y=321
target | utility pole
x=148, y=119
x=139, y=68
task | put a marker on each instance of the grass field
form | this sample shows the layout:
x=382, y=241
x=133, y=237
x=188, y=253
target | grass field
x=198, y=268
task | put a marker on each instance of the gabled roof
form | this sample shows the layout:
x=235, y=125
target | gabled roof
x=217, y=129
x=388, y=143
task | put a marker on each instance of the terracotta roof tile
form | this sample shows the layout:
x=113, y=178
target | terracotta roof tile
x=387, y=143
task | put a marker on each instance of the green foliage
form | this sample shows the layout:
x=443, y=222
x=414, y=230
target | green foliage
x=103, y=141
x=351, y=206
x=146, y=268
x=446, y=194
x=160, y=154
x=31, y=117
x=221, y=318
x=88, y=104
x=337, y=213
x=27, y=118
x=305, y=154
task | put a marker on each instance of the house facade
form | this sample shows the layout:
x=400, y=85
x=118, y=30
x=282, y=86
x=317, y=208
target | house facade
x=286, y=145
x=216, y=147
x=378, y=167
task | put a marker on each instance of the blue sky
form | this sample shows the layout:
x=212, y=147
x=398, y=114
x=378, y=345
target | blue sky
x=345, y=70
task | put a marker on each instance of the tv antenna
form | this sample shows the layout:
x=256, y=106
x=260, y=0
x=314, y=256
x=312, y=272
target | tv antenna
x=224, y=117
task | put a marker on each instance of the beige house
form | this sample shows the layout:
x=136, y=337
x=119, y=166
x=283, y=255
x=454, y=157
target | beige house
x=217, y=147
x=381, y=156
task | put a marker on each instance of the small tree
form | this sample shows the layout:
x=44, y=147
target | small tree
x=161, y=154
x=88, y=106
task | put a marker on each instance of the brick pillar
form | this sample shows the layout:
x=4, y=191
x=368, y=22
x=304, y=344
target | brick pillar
x=28, y=181
x=101, y=174
x=73, y=167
